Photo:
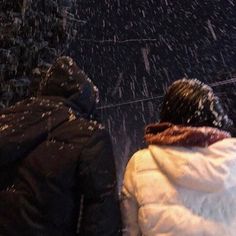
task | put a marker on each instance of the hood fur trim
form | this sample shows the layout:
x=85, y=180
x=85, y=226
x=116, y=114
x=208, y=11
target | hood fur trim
x=169, y=134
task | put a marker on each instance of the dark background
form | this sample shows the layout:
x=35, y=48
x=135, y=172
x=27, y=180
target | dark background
x=132, y=50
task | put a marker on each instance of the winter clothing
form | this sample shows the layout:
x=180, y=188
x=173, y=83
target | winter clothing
x=57, y=173
x=184, y=183
x=169, y=134
x=65, y=79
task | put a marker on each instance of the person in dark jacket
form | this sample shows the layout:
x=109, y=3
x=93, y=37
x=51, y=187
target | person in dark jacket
x=57, y=172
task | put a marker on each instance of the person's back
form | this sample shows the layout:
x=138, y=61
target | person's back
x=184, y=183
x=57, y=169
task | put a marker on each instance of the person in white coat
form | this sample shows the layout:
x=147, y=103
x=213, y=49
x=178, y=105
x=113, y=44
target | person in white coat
x=184, y=182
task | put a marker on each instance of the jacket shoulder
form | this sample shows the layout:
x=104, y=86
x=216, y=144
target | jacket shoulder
x=90, y=125
x=141, y=160
x=86, y=128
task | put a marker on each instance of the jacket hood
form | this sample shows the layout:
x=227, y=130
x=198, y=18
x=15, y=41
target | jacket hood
x=66, y=80
x=209, y=169
x=198, y=158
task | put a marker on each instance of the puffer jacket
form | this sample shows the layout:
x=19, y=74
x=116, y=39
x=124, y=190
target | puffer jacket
x=57, y=173
x=183, y=184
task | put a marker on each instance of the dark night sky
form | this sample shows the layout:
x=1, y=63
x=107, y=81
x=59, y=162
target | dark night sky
x=134, y=49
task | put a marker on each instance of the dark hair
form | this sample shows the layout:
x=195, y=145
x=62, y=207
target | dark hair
x=191, y=102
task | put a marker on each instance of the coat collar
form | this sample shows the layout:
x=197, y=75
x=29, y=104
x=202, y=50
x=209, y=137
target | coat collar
x=170, y=134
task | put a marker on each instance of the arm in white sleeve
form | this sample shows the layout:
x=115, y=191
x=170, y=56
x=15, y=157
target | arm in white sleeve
x=129, y=203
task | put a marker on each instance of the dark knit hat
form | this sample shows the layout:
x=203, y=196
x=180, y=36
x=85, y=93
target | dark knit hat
x=65, y=79
x=191, y=102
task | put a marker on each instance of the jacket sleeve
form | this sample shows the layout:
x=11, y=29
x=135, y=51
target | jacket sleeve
x=101, y=209
x=129, y=203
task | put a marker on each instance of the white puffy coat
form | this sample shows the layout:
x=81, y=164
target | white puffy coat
x=178, y=191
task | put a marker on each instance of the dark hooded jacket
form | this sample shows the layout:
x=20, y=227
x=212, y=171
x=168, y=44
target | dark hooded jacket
x=57, y=173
